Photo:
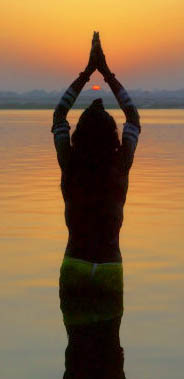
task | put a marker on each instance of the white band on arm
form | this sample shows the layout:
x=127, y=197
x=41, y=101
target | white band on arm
x=131, y=132
x=61, y=128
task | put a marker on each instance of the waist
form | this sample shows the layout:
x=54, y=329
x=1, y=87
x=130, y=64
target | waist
x=89, y=264
x=110, y=274
x=94, y=254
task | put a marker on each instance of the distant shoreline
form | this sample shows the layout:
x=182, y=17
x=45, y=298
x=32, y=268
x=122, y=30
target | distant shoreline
x=82, y=106
x=41, y=99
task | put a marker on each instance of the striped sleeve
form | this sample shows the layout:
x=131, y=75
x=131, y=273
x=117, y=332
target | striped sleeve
x=132, y=127
x=62, y=142
x=60, y=127
x=68, y=99
x=127, y=105
x=124, y=100
x=129, y=142
x=131, y=132
x=66, y=102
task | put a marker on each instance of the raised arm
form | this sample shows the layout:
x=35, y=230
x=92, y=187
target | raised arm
x=69, y=97
x=132, y=126
x=60, y=127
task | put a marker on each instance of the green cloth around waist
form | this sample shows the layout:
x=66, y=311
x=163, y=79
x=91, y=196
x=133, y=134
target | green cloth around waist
x=90, y=292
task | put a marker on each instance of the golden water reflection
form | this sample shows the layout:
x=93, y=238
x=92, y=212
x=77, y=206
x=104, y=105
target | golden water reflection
x=33, y=239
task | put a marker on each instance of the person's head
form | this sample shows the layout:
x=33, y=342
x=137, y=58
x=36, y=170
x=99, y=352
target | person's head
x=95, y=137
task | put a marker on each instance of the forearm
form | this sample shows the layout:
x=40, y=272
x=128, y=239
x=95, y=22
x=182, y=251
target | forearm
x=123, y=98
x=130, y=138
x=69, y=97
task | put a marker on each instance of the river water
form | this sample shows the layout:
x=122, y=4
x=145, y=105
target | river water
x=33, y=238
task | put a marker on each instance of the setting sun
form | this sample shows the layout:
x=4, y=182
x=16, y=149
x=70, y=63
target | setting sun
x=96, y=88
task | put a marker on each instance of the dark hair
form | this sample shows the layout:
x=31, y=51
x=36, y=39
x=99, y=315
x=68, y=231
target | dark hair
x=95, y=139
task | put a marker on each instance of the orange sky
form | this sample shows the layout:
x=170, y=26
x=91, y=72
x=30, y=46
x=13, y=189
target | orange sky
x=45, y=44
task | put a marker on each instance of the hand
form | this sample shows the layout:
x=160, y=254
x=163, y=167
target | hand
x=92, y=64
x=101, y=61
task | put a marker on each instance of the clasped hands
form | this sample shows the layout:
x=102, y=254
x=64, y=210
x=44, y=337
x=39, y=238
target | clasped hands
x=97, y=57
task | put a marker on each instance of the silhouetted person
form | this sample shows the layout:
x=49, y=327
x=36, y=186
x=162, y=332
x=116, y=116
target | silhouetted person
x=95, y=169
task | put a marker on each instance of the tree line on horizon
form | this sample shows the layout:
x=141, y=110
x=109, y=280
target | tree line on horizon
x=42, y=99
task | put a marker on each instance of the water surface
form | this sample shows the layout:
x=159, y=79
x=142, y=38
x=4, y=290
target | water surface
x=33, y=238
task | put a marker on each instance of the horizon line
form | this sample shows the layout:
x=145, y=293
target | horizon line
x=91, y=89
